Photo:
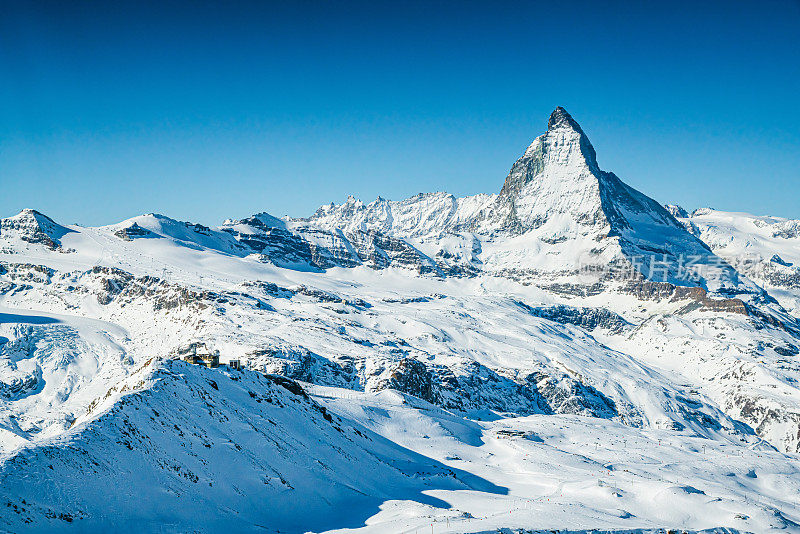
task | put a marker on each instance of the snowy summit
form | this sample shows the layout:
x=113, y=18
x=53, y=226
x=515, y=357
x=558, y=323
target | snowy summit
x=563, y=354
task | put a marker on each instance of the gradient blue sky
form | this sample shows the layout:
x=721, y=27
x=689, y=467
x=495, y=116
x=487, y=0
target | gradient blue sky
x=205, y=111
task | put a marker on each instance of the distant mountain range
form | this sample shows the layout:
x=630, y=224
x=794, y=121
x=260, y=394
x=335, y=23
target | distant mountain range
x=403, y=355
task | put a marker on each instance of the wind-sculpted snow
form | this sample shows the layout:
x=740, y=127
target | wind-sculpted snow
x=175, y=447
x=566, y=354
x=51, y=368
x=570, y=474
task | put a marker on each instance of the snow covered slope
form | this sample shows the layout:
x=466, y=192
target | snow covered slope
x=175, y=447
x=31, y=227
x=565, y=354
x=766, y=249
x=558, y=190
x=556, y=213
x=565, y=470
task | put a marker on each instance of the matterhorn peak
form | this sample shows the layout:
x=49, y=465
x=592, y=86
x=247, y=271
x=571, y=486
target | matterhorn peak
x=562, y=153
x=560, y=118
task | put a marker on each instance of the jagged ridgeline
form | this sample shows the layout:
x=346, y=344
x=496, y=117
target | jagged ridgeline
x=429, y=343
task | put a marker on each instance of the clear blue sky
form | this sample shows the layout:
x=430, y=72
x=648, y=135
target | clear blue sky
x=205, y=111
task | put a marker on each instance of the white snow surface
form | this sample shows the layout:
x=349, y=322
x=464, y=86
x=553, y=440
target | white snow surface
x=766, y=249
x=418, y=399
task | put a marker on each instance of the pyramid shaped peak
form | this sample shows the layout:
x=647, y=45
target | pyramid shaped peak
x=564, y=150
x=560, y=118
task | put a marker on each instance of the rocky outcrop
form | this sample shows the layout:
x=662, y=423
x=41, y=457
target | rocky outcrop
x=676, y=211
x=33, y=227
x=568, y=396
x=774, y=422
x=298, y=363
x=587, y=318
x=412, y=377
x=646, y=290
x=134, y=231
x=475, y=389
x=319, y=249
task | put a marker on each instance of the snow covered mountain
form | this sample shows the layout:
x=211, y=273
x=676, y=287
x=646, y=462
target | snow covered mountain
x=766, y=249
x=564, y=354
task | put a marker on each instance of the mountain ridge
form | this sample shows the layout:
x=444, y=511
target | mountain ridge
x=554, y=193
x=505, y=360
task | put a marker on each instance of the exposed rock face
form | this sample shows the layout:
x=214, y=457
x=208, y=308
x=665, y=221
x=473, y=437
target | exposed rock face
x=572, y=397
x=33, y=227
x=134, y=231
x=559, y=224
x=185, y=234
x=557, y=188
x=763, y=248
x=555, y=196
x=473, y=388
x=310, y=246
x=379, y=251
x=588, y=318
x=768, y=418
x=646, y=290
x=556, y=175
x=280, y=442
x=299, y=363
x=411, y=376
x=284, y=248
x=16, y=382
x=777, y=259
x=563, y=321
x=676, y=211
